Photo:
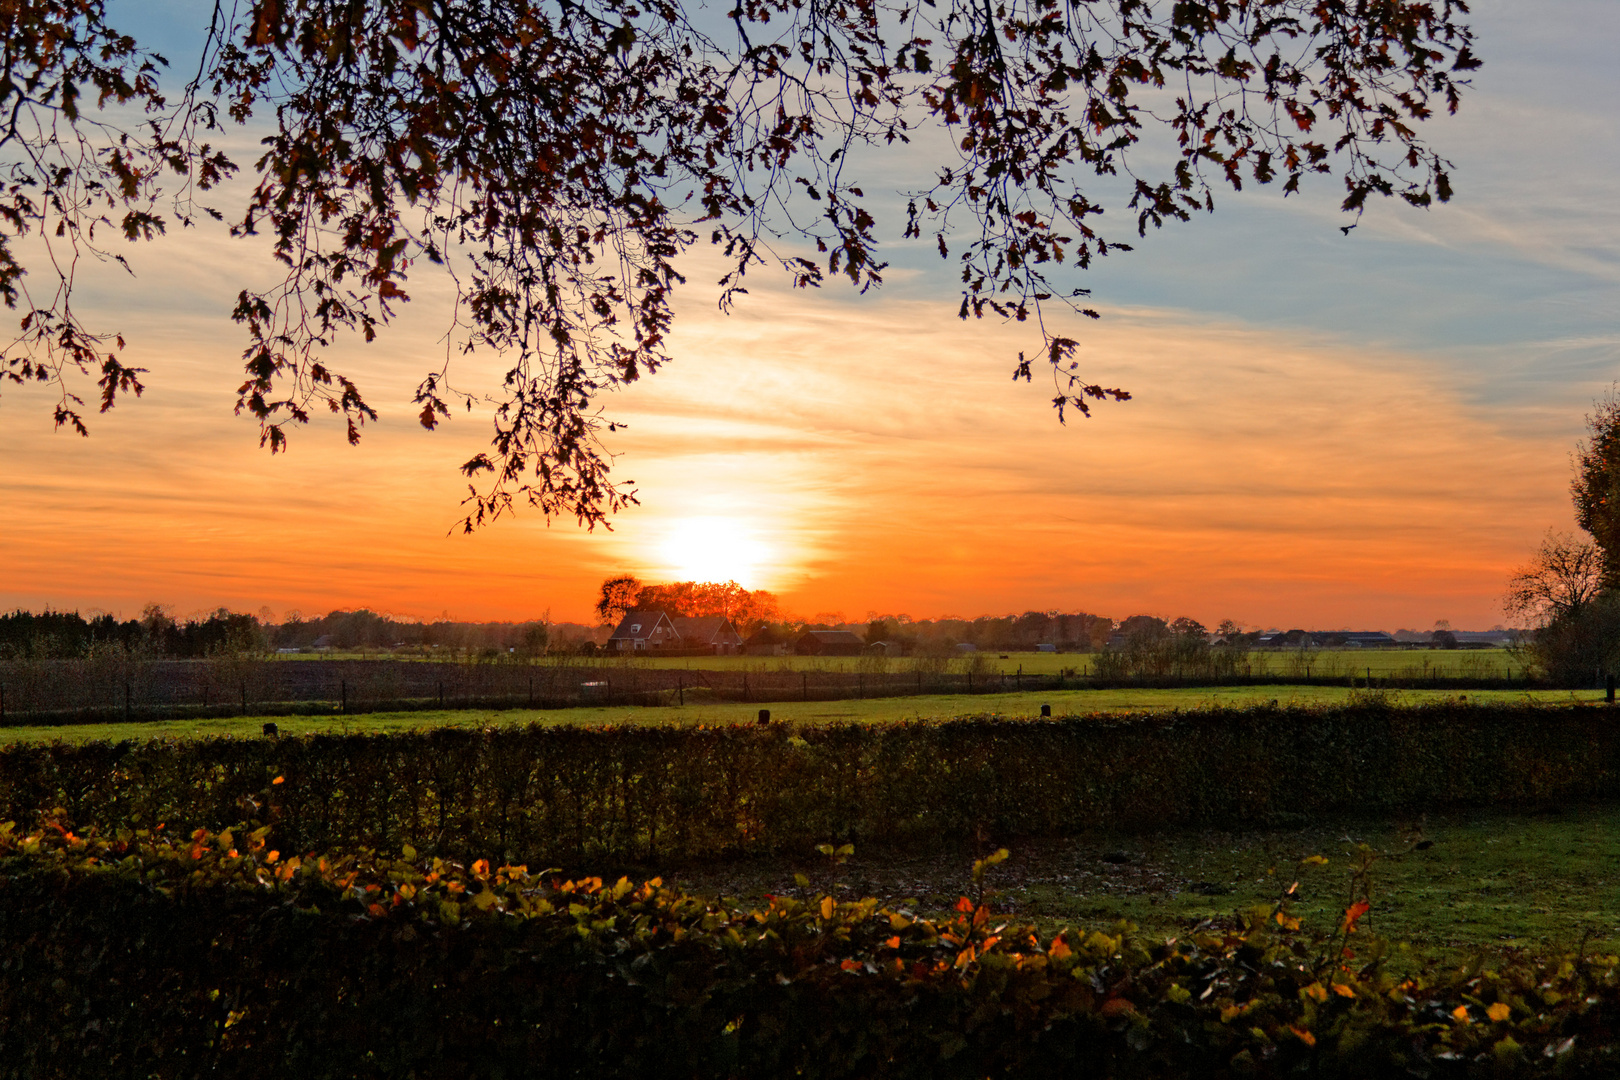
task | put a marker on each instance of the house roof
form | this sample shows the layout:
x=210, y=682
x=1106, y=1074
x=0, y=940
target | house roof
x=704, y=628
x=639, y=624
x=767, y=636
x=834, y=637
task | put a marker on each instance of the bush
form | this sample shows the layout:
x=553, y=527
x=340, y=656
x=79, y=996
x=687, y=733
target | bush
x=586, y=796
x=217, y=955
x=1579, y=647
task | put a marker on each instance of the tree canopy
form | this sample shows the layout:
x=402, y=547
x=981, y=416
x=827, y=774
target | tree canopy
x=556, y=159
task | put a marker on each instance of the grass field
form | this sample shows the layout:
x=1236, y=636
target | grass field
x=1319, y=663
x=1489, y=884
x=874, y=710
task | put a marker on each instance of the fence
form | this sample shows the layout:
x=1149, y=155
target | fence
x=124, y=687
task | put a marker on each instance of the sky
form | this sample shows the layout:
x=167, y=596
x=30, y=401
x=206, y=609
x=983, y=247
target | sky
x=1366, y=431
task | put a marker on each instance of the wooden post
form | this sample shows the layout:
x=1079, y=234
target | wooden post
x=804, y=680
x=680, y=687
x=531, y=690
x=343, y=691
x=126, y=701
x=441, y=693
x=244, y=699
x=745, y=686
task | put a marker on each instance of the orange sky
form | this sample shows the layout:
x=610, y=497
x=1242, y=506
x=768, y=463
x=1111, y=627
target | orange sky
x=1363, y=432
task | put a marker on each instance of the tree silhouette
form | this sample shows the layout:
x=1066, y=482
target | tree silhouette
x=555, y=158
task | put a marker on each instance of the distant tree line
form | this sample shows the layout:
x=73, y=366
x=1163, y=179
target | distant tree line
x=50, y=634
x=26, y=635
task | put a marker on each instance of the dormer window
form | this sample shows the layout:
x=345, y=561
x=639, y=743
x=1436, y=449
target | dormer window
x=635, y=628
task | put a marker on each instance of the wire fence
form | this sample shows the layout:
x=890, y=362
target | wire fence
x=124, y=687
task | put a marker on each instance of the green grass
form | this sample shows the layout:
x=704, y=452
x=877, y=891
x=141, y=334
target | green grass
x=874, y=710
x=1490, y=884
x=1320, y=663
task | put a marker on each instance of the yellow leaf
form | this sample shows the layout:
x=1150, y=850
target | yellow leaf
x=1317, y=991
x=827, y=907
x=1314, y=860
x=1344, y=991
x=1461, y=1013
x=1498, y=1011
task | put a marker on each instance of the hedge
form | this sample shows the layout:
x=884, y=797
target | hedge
x=627, y=795
x=219, y=955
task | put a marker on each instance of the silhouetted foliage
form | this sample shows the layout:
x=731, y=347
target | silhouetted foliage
x=1596, y=487
x=557, y=161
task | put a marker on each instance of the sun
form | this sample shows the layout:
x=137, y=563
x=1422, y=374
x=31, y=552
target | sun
x=715, y=549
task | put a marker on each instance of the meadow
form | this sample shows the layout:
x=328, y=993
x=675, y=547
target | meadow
x=863, y=711
x=1409, y=664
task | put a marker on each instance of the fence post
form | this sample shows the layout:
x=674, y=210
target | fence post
x=680, y=688
x=126, y=701
x=2, y=703
x=441, y=693
x=745, y=686
x=343, y=691
x=244, y=699
x=860, y=684
x=805, y=687
x=531, y=690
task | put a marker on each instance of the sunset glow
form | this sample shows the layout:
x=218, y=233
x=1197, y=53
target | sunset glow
x=713, y=549
x=1364, y=431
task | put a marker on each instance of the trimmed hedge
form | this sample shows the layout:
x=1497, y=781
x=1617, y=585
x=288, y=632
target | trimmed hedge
x=571, y=796
x=215, y=956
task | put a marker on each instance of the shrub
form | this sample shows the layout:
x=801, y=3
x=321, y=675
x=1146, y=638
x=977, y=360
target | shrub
x=584, y=796
x=217, y=955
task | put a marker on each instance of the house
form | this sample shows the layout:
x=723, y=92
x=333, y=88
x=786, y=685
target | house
x=766, y=642
x=323, y=643
x=640, y=631
x=830, y=643
x=708, y=632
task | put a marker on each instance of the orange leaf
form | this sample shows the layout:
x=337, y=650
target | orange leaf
x=1317, y=991
x=850, y=965
x=1353, y=915
x=894, y=942
x=1461, y=1013
x=1498, y=1011
x=1304, y=1036
x=278, y=780
x=1344, y=991
x=1059, y=949
x=964, y=905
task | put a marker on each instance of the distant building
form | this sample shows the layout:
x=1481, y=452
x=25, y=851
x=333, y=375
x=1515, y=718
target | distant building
x=830, y=643
x=323, y=643
x=707, y=632
x=1046, y=647
x=640, y=631
x=767, y=642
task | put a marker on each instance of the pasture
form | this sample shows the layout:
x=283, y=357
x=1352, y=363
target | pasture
x=863, y=711
x=1488, y=884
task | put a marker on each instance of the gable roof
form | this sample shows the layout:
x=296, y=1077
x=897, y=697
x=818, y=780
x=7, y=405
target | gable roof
x=706, y=629
x=640, y=624
x=834, y=637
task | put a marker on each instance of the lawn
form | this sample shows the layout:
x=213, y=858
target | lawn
x=1489, y=883
x=873, y=710
x=1317, y=663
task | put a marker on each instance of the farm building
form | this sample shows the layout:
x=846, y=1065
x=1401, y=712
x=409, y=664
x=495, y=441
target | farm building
x=767, y=642
x=830, y=643
x=708, y=631
x=643, y=630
